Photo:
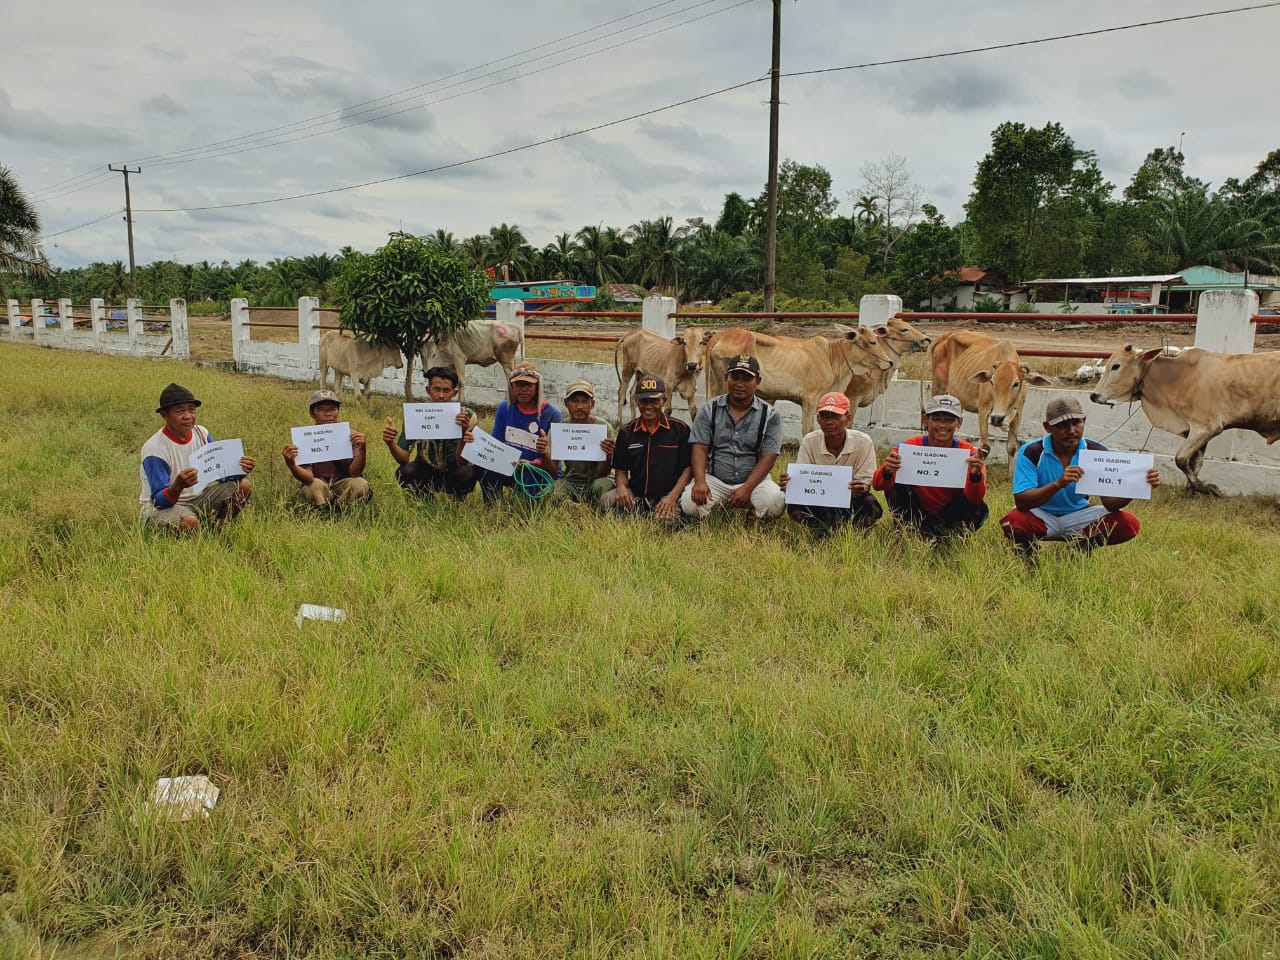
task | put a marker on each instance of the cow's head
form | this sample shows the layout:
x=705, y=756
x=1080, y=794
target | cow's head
x=1006, y=382
x=861, y=350
x=390, y=356
x=691, y=342
x=901, y=337
x=1122, y=375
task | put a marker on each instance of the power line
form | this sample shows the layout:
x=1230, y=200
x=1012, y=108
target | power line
x=1028, y=43
x=98, y=181
x=89, y=223
x=695, y=99
x=497, y=83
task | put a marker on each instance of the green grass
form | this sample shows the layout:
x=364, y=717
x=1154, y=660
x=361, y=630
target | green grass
x=562, y=736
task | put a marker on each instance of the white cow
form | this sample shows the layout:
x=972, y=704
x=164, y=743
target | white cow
x=481, y=342
x=356, y=359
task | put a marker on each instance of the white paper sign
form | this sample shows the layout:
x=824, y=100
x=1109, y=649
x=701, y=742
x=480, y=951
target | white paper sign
x=1113, y=473
x=578, y=441
x=314, y=611
x=432, y=421
x=217, y=461
x=522, y=438
x=491, y=454
x=321, y=442
x=820, y=486
x=932, y=466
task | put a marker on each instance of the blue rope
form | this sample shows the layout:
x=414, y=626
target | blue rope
x=532, y=481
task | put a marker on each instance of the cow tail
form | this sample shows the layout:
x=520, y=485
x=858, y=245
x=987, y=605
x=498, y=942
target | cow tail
x=324, y=363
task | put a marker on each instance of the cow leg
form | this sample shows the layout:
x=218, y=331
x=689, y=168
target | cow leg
x=1191, y=455
x=624, y=388
x=808, y=418
x=1011, y=443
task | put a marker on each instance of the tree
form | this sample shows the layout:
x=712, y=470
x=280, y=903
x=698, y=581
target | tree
x=1161, y=176
x=597, y=254
x=866, y=209
x=655, y=252
x=20, y=253
x=408, y=292
x=735, y=215
x=508, y=245
x=928, y=259
x=892, y=200
x=1226, y=232
x=719, y=264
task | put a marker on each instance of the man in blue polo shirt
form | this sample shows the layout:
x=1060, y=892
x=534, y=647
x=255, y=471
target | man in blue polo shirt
x=1046, y=504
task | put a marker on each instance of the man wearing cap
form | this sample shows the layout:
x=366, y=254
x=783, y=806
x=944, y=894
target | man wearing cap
x=937, y=512
x=1046, y=504
x=429, y=466
x=651, y=458
x=336, y=482
x=736, y=439
x=521, y=419
x=836, y=443
x=168, y=479
x=582, y=481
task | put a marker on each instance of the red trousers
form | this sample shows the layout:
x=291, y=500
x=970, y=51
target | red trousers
x=1119, y=526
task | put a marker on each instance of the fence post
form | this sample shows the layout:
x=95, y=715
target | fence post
x=178, y=330
x=133, y=310
x=98, y=318
x=877, y=309
x=1223, y=322
x=37, y=318
x=656, y=313
x=504, y=311
x=239, y=328
x=65, y=321
x=309, y=333
x=14, y=322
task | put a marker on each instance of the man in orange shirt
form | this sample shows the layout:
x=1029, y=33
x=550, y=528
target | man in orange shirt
x=937, y=511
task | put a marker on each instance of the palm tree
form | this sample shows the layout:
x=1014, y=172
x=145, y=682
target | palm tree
x=557, y=257
x=444, y=239
x=475, y=250
x=317, y=271
x=1196, y=228
x=719, y=264
x=20, y=252
x=508, y=245
x=867, y=209
x=596, y=254
x=655, y=250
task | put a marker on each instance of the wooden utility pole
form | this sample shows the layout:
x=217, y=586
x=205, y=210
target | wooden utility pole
x=128, y=219
x=771, y=228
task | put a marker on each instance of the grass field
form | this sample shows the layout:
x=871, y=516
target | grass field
x=555, y=735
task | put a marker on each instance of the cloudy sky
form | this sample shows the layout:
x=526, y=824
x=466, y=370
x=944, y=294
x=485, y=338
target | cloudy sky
x=186, y=91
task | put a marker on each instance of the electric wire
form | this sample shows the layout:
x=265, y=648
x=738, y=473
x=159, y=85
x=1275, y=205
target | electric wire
x=89, y=223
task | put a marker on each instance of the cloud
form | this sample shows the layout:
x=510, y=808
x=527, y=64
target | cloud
x=164, y=105
x=951, y=88
x=50, y=129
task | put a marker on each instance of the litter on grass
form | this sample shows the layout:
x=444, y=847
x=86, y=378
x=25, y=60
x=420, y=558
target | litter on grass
x=185, y=797
x=311, y=611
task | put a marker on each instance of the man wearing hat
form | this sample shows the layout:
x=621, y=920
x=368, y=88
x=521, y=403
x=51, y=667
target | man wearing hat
x=651, y=458
x=582, y=481
x=937, y=511
x=429, y=466
x=836, y=443
x=521, y=419
x=336, y=482
x=168, y=479
x=1046, y=504
x=736, y=439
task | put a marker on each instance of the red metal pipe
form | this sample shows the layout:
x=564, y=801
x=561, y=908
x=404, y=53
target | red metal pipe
x=765, y=316
x=568, y=336
x=1101, y=353
x=1032, y=317
x=603, y=314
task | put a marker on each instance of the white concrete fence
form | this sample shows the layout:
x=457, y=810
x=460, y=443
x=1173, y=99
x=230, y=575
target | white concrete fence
x=134, y=340
x=1239, y=461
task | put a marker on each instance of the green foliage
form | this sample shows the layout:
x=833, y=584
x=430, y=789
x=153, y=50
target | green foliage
x=735, y=215
x=927, y=260
x=20, y=254
x=988, y=305
x=407, y=292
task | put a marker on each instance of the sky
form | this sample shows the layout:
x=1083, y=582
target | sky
x=178, y=89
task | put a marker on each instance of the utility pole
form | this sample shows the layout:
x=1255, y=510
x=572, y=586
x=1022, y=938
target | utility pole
x=771, y=229
x=128, y=218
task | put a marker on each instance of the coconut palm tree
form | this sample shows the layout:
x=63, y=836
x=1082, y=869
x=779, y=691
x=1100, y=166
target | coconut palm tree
x=20, y=253
x=597, y=254
x=866, y=209
x=444, y=239
x=655, y=251
x=475, y=250
x=508, y=245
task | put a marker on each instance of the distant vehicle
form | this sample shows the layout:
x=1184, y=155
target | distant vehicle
x=544, y=296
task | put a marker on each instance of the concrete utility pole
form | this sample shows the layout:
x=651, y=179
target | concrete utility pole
x=128, y=218
x=771, y=229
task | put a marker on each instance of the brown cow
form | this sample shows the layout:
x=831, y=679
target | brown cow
x=794, y=369
x=896, y=338
x=676, y=361
x=358, y=360
x=988, y=377
x=1196, y=395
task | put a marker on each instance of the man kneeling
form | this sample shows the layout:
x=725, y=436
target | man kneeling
x=836, y=443
x=330, y=482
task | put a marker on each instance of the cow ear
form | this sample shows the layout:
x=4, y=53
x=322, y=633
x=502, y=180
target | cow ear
x=678, y=341
x=881, y=331
x=706, y=337
x=843, y=328
x=982, y=376
x=1035, y=377
x=1149, y=355
x=1128, y=348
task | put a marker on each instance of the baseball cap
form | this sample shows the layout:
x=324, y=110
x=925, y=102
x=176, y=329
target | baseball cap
x=579, y=386
x=174, y=394
x=324, y=396
x=833, y=403
x=744, y=361
x=650, y=388
x=944, y=403
x=1063, y=408
x=527, y=373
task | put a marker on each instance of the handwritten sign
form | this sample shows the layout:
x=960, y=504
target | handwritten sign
x=819, y=486
x=932, y=466
x=321, y=442
x=484, y=451
x=578, y=441
x=525, y=439
x=217, y=461
x=432, y=421
x=1112, y=473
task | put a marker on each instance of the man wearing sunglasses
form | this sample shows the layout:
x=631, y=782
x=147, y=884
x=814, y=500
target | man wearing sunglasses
x=736, y=439
x=1046, y=504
